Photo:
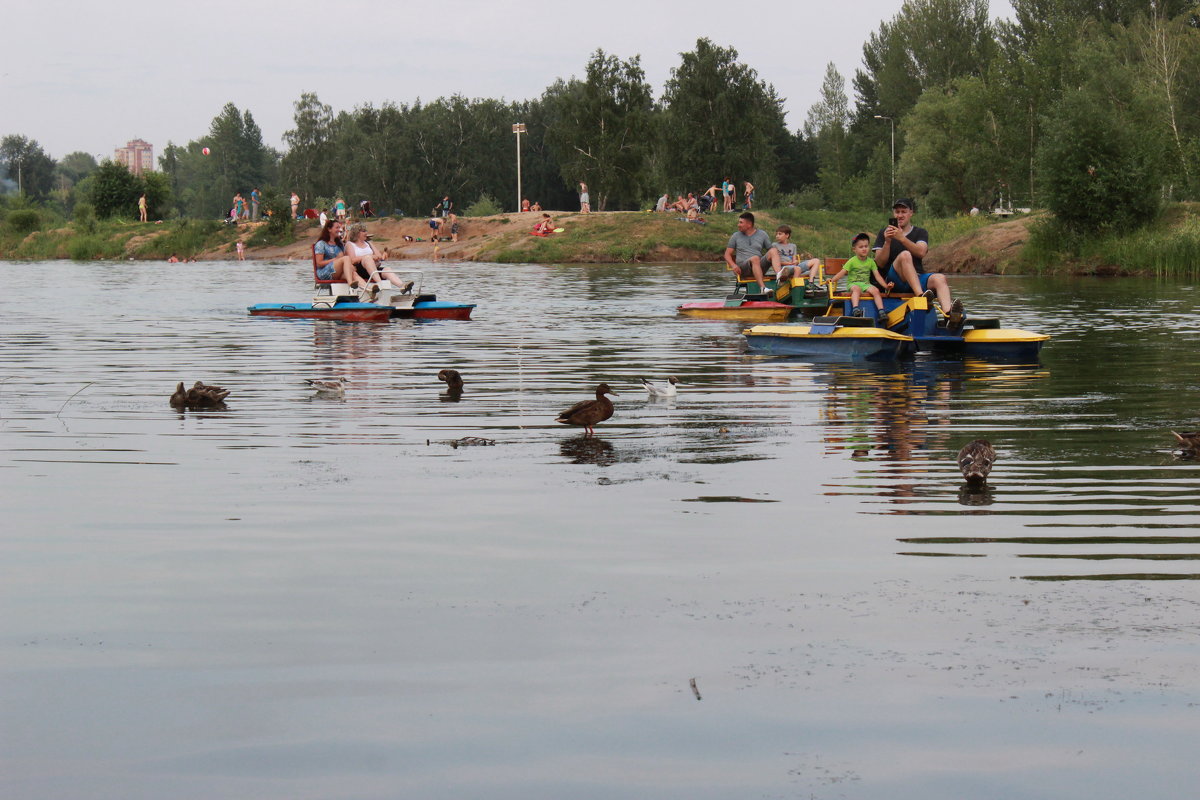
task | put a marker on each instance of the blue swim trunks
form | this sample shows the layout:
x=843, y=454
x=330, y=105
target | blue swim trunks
x=901, y=286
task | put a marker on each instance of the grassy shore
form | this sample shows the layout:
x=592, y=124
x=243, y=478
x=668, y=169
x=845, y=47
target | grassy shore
x=961, y=244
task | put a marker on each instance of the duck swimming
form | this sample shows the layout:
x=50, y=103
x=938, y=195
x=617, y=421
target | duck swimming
x=976, y=459
x=661, y=388
x=332, y=386
x=1189, y=442
x=589, y=412
x=201, y=395
x=453, y=381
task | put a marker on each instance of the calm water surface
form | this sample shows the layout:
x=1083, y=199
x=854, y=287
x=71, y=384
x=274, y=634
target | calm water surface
x=304, y=597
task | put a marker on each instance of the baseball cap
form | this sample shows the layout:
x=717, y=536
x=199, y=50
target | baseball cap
x=906, y=203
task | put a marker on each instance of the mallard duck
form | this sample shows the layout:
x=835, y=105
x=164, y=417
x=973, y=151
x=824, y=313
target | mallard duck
x=453, y=381
x=330, y=386
x=589, y=412
x=976, y=459
x=201, y=395
x=1189, y=442
x=660, y=388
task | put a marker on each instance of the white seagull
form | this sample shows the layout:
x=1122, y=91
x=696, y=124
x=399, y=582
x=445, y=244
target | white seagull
x=333, y=386
x=661, y=389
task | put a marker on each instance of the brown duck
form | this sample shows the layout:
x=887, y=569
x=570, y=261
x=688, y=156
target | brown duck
x=589, y=412
x=201, y=395
x=453, y=381
x=1189, y=442
x=976, y=459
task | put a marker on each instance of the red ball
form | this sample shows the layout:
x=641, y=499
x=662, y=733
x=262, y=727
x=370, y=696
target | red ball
x=205, y=151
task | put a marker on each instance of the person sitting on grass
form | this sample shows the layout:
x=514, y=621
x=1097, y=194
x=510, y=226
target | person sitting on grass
x=545, y=226
x=744, y=253
x=861, y=268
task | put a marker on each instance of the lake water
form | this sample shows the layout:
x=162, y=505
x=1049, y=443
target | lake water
x=304, y=597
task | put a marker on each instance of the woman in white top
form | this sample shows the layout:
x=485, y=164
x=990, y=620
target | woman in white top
x=366, y=257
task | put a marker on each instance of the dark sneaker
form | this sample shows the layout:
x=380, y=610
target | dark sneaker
x=858, y=312
x=955, y=319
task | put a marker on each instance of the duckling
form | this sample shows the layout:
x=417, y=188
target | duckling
x=1189, y=443
x=976, y=459
x=453, y=381
x=331, y=386
x=589, y=412
x=660, y=389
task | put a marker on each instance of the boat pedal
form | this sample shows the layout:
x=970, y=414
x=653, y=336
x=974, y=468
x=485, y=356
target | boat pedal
x=734, y=300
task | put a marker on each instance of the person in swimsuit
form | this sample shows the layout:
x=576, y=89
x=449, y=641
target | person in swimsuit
x=142, y=208
x=585, y=200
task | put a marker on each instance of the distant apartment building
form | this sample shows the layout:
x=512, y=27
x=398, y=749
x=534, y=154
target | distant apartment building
x=137, y=156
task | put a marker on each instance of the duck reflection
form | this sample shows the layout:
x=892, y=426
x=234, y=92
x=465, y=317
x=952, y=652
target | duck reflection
x=585, y=449
x=971, y=494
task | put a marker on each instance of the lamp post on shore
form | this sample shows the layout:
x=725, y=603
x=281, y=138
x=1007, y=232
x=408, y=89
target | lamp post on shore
x=893, y=124
x=518, y=129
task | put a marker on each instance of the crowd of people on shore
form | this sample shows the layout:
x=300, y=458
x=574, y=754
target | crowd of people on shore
x=693, y=205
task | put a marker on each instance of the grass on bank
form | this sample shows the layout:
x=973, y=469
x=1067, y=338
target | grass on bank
x=1168, y=246
x=645, y=236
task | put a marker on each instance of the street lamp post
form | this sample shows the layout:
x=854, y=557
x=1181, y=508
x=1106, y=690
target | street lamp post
x=518, y=129
x=893, y=124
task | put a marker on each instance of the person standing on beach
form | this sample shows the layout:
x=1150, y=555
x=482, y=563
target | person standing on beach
x=254, y=204
x=295, y=205
x=585, y=201
x=142, y=208
x=748, y=193
x=446, y=206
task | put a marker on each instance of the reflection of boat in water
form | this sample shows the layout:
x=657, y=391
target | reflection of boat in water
x=910, y=324
x=337, y=301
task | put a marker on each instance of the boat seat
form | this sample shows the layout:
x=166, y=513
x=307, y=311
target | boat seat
x=331, y=288
x=846, y=322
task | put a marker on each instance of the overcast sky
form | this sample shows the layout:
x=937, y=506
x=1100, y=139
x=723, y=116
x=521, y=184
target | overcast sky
x=91, y=76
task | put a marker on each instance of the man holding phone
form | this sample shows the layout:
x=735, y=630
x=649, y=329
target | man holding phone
x=899, y=250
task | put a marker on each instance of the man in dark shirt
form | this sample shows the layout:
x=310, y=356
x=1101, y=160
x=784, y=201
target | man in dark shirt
x=899, y=250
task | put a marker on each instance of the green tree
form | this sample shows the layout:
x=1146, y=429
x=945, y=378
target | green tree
x=74, y=167
x=113, y=190
x=960, y=151
x=826, y=126
x=307, y=166
x=157, y=186
x=26, y=165
x=602, y=131
x=719, y=119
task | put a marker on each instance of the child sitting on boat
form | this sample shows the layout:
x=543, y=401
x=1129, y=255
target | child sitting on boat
x=860, y=268
x=783, y=257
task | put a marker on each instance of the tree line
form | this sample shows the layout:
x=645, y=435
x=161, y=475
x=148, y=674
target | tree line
x=1089, y=109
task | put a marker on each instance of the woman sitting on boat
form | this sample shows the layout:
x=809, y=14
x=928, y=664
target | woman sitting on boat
x=329, y=258
x=366, y=258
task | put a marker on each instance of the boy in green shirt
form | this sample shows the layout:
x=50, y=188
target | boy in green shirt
x=860, y=268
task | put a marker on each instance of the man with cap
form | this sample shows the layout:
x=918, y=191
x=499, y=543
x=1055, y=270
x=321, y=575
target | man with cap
x=899, y=249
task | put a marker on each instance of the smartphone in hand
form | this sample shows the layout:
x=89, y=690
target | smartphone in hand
x=895, y=223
